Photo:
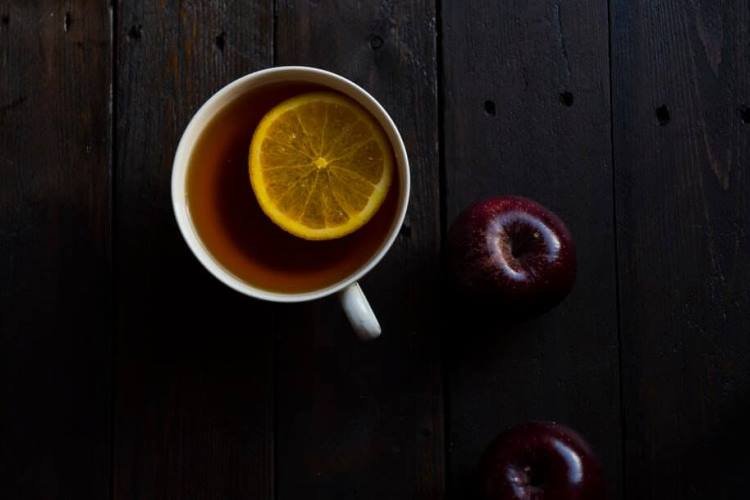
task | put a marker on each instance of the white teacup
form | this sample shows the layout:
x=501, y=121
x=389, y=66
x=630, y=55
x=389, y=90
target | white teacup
x=353, y=300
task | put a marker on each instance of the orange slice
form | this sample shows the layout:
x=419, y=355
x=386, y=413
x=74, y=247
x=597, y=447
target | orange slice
x=320, y=165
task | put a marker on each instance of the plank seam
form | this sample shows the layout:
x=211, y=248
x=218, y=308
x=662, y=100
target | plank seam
x=442, y=186
x=113, y=54
x=618, y=322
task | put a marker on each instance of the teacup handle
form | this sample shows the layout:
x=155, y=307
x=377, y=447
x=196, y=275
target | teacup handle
x=358, y=311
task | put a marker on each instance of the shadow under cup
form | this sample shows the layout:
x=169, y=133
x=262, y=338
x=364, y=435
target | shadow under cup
x=233, y=229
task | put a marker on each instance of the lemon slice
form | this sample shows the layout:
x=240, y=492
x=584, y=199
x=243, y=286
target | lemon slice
x=320, y=165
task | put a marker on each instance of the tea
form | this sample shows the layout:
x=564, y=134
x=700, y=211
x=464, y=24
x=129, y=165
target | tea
x=235, y=230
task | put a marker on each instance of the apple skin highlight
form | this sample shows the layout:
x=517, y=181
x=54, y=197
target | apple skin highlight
x=540, y=460
x=512, y=252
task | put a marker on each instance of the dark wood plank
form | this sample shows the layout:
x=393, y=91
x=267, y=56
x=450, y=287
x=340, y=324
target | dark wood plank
x=55, y=300
x=361, y=420
x=681, y=77
x=526, y=111
x=194, y=360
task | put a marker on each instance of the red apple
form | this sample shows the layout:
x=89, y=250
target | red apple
x=513, y=252
x=540, y=460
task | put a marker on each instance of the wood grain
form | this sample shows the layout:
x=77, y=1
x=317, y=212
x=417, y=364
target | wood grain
x=526, y=111
x=55, y=286
x=361, y=420
x=127, y=371
x=194, y=405
x=681, y=91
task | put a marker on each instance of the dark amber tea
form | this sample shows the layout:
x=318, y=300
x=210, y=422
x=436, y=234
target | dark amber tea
x=235, y=230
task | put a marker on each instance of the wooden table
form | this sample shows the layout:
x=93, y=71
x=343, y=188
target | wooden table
x=127, y=371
